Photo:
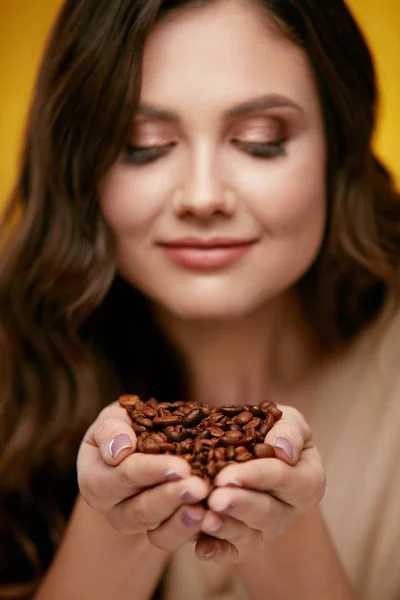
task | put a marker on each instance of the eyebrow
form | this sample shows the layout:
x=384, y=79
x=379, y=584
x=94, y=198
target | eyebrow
x=250, y=106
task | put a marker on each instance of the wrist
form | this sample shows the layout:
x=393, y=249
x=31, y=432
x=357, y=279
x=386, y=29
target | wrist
x=301, y=563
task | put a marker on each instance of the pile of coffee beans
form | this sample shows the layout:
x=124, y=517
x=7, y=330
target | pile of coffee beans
x=208, y=438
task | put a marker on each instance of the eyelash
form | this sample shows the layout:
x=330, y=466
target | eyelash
x=138, y=155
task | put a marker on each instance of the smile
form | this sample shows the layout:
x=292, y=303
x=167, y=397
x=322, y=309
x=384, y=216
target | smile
x=210, y=254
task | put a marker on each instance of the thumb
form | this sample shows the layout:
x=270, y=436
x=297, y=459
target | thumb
x=290, y=435
x=112, y=433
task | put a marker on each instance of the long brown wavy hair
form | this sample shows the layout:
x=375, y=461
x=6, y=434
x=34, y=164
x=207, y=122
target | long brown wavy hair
x=70, y=327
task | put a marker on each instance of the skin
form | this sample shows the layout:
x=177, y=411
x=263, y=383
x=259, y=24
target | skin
x=207, y=183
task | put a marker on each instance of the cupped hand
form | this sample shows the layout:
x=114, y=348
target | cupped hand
x=258, y=500
x=138, y=493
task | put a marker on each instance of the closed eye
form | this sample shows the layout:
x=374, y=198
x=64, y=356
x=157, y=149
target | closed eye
x=264, y=150
x=139, y=155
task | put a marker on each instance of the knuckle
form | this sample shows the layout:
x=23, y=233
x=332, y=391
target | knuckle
x=117, y=518
x=313, y=488
x=88, y=492
x=140, y=513
x=164, y=544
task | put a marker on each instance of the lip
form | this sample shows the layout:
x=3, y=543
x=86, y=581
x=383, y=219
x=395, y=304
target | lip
x=204, y=254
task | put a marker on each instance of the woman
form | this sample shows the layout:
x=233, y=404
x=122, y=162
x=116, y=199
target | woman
x=200, y=216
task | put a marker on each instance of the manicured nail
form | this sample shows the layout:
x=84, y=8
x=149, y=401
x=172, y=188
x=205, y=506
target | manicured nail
x=189, y=520
x=227, y=508
x=233, y=483
x=284, y=445
x=216, y=526
x=119, y=443
x=172, y=476
x=209, y=550
x=188, y=498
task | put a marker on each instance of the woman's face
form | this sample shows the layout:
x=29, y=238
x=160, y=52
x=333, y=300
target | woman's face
x=218, y=204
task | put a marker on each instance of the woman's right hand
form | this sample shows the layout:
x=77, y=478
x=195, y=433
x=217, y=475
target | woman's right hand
x=138, y=493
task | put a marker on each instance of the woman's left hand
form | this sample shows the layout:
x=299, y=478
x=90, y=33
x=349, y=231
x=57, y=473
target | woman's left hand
x=258, y=500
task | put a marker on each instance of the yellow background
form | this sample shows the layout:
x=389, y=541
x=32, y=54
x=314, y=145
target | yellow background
x=24, y=25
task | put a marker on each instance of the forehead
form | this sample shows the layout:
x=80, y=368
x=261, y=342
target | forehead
x=224, y=52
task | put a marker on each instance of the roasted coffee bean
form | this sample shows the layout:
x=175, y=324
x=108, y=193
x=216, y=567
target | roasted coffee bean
x=231, y=437
x=187, y=446
x=230, y=410
x=149, y=412
x=267, y=424
x=186, y=409
x=219, y=454
x=166, y=447
x=211, y=438
x=138, y=428
x=129, y=400
x=255, y=423
x=192, y=418
x=263, y=451
x=256, y=411
x=150, y=447
x=198, y=446
x=276, y=413
x=230, y=453
x=242, y=454
x=171, y=434
x=212, y=468
x=145, y=422
x=191, y=433
x=243, y=418
x=168, y=405
x=152, y=402
x=166, y=421
x=235, y=427
x=163, y=412
x=266, y=405
x=207, y=443
x=216, y=431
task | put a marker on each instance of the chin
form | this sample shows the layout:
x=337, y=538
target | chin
x=198, y=308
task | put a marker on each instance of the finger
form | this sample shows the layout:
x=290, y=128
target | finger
x=103, y=486
x=257, y=511
x=148, y=509
x=301, y=485
x=290, y=435
x=112, y=433
x=178, y=529
x=220, y=551
x=235, y=531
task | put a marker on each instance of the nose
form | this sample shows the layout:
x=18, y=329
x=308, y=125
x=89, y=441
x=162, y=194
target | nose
x=202, y=195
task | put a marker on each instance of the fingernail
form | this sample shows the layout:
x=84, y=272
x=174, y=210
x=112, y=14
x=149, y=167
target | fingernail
x=216, y=525
x=188, y=498
x=190, y=520
x=119, y=443
x=233, y=483
x=227, y=508
x=209, y=550
x=172, y=476
x=284, y=445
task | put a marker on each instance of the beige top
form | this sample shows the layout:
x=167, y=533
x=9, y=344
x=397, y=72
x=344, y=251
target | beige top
x=356, y=424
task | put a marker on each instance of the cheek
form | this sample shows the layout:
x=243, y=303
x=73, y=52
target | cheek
x=130, y=200
x=288, y=197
